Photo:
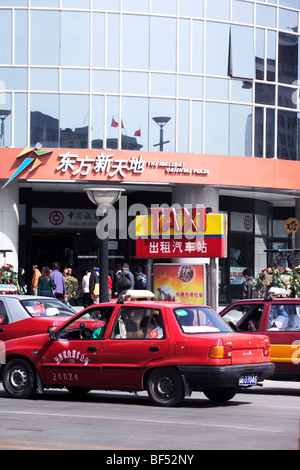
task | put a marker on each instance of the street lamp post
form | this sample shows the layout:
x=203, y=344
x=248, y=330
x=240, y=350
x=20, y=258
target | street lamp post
x=103, y=198
x=161, y=121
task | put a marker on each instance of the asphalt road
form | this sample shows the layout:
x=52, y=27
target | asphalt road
x=257, y=419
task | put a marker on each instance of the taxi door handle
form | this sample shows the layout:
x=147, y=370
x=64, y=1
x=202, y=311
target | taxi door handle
x=91, y=349
x=154, y=348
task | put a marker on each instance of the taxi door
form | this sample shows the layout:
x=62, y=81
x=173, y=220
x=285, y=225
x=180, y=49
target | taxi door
x=5, y=323
x=131, y=345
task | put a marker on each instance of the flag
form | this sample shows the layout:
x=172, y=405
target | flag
x=114, y=123
x=137, y=133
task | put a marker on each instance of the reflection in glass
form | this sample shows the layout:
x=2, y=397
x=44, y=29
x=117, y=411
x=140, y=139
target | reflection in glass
x=190, y=86
x=240, y=130
x=74, y=121
x=97, y=124
x=216, y=128
x=6, y=116
x=184, y=46
x=75, y=80
x=287, y=135
x=5, y=37
x=106, y=4
x=287, y=58
x=191, y=8
x=287, y=97
x=259, y=133
x=135, y=42
x=20, y=120
x=105, y=81
x=218, y=9
x=45, y=47
x=197, y=46
x=167, y=7
x=264, y=94
x=113, y=124
x=162, y=43
x=136, y=5
x=241, y=90
x=113, y=40
x=266, y=16
x=163, y=84
x=217, y=47
x=216, y=88
x=260, y=54
x=270, y=133
x=44, y=120
x=162, y=107
x=271, y=56
x=135, y=83
x=13, y=78
x=288, y=20
x=44, y=79
x=135, y=123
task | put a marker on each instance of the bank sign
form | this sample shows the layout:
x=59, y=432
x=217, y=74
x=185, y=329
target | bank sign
x=189, y=234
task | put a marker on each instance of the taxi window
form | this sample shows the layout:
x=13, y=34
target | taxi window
x=200, y=320
x=138, y=323
x=284, y=317
x=246, y=317
x=3, y=314
x=46, y=308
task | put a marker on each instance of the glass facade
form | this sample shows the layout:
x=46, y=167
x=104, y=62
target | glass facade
x=94, y=74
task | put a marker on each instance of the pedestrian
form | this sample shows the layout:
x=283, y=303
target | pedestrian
x=46, y=285
x=124, y=280
x=58, y=278
x=85, y=288
x=94, y=286
x=21, y=281
x=140, y=281
x=248, y=285
x=35, y=279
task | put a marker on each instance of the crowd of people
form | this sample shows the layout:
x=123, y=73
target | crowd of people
x=63, y=285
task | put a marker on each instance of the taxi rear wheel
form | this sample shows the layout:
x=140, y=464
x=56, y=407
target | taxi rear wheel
x=165, y=387
x=19, y=379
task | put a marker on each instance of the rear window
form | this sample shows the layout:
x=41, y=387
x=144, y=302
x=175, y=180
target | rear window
x=46, y=308
x=200, y=320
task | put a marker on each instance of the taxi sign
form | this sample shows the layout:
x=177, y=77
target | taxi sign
x=291, y=225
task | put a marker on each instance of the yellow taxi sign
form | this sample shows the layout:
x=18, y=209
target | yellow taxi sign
x=292, y=225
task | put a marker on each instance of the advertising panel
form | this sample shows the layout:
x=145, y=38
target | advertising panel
x=179, y=283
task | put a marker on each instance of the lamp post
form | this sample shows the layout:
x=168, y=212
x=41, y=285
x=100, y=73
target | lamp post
x=103, y=198
x=161, y=121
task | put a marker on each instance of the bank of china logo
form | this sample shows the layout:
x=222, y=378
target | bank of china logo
x=32, y=155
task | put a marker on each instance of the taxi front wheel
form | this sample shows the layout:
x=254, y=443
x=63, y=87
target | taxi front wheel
x=19, y=379
x=165, y=387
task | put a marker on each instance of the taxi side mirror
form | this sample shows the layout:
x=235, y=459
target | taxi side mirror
x=52, y=335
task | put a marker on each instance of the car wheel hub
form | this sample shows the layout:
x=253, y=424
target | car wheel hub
x=165, y=386
x=18, y=379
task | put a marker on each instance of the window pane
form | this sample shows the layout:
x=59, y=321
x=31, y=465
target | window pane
x=113, y=40
x=266, y=16
x=191, y=8
x=162, y=44
x=264, y=94
x=241, y=90
x=288, y=58
x=196, y=130
x=136, y=5
x=135, y=83
x=135, y=43
x=105, y=81
x=290, y=3
x=260, y=54
x=271, y=56
x=5, y=36
x=5, y=104
x=43, y=79
x=183, y=127
x=288, y=20
x=112, y=132
x=97, y=125
x=75, y=80
x=216, y=88
x=240, y=130
x=44, y=119
x=167, y=6
x=13, y=78
x=74, y=121
x=135, y=121
x=218, y=9
x=270, y=133
x=20, y=120
x=184, y=46
x=76, y=4
x=242, y=52
x=287, y=97
x=98, y=43
x=163, y=84
x=190, y=86
x=75, y=31
x=106, y=4
x=45, y=3
x=197, y=47
x=217, y=47
x=21, y=37
x=287, y=129
x=216, y=128
x=45, y=47
x=242, y=12
x=259, y=133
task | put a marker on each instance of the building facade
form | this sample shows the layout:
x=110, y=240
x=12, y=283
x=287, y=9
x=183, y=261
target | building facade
x=198, y=98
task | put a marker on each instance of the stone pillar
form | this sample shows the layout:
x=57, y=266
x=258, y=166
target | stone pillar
x=209, y=197
x=9, y=223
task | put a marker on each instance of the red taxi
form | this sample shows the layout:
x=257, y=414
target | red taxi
x=26, y=315
x=277, y=318
x=168, y=349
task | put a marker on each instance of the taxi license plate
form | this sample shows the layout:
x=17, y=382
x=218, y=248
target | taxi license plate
x=248, y=380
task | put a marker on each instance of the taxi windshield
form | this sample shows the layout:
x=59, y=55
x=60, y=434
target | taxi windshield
x=46, y=308
x=200, y=320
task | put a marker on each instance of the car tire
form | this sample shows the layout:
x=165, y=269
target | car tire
x=220, y=395
x=165, y=387
x=19, y=379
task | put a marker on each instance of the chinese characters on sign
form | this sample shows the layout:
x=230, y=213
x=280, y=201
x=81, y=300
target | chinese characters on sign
x=177, y=247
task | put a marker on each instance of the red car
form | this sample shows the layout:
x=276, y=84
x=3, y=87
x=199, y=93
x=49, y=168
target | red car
x=26, y=315
x=279, y=319
x=168, y=349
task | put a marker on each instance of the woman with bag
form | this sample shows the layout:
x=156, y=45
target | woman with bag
x=46, y=284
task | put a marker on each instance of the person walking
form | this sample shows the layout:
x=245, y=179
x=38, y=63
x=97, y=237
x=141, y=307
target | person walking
x=35, y=279
x=94, y=285
x=21, y=281
x=58, y=278
x=124, y=280
x=248, y=285
x=46, y=284
x=140, y=282
x=85, y=288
